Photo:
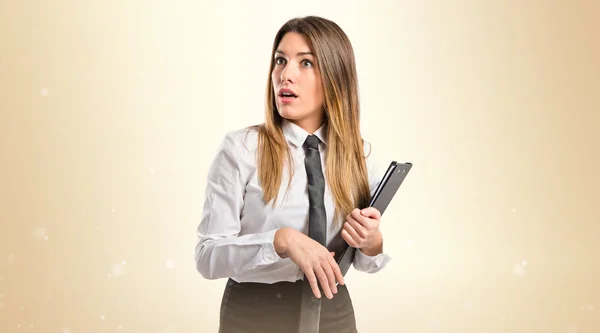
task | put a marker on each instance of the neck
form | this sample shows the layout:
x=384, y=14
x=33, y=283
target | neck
x=309, y=125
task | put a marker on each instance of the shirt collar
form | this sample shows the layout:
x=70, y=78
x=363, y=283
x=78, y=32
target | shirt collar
x=297, y=135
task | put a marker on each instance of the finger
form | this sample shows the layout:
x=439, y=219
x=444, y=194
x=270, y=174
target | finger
x=355, y=213
x=326, y=265
x=359, y=224
x=314, y=283
x=322, y=276
x=332, y=254
x=371, y=212
x=353, y=230
x=337, y=272
x=346, y=236
x=360, y=229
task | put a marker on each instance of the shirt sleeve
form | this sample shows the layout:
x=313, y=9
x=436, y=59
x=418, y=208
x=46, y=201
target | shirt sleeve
x=221, y=251
x=363, y=262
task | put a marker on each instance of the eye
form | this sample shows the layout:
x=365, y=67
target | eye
x=307, y=63
x=279, y=61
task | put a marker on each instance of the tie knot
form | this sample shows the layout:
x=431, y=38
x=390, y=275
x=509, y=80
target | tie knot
x=312, y=142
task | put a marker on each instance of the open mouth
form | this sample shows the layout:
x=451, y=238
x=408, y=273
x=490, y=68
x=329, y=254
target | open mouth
x=287, y=95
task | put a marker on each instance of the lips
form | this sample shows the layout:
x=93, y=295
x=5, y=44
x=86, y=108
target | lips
x=287, y=93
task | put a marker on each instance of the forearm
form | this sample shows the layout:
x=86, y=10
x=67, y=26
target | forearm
x=282, y=239
x=220, y=257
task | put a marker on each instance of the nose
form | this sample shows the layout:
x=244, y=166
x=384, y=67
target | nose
x=288, y=74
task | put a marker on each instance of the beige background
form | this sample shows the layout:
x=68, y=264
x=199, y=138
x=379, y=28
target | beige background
x=110, y=113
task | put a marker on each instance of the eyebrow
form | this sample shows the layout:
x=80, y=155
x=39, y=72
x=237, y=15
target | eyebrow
x=298, y=54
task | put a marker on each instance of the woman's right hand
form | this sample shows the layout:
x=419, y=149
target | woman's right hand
x=315, y=261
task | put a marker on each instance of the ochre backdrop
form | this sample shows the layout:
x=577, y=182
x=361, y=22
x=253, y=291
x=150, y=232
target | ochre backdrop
x=111, y=111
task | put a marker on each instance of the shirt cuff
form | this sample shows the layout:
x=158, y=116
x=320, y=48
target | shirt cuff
x=268, y=254
x=370, y=264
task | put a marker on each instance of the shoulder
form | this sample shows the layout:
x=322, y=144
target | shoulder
x=235, y=153
x=369, y=156
x=239, y=147
x=369, y=152
x=372, y=164
x=367, y=148
x=241, y=140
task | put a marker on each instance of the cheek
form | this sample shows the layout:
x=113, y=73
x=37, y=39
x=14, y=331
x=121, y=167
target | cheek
x=318, y=85
x=319, y=95
x=316, y=91
x=275, y=76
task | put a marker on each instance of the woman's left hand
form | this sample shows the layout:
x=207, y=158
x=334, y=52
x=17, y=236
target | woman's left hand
x=361, y=230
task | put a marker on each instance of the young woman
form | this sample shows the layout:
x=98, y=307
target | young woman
x=268, y=183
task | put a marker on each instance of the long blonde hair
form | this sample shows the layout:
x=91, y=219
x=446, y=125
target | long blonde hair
x=345, y=167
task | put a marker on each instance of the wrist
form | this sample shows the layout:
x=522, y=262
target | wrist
x=281, y=241
x=376, y=246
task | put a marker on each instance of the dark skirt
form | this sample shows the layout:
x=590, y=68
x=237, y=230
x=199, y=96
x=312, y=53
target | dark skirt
x=275, y=308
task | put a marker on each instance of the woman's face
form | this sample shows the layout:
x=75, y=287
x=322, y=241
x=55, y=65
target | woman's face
x=297, y=83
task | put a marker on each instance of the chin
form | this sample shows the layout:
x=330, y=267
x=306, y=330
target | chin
x=289, y=113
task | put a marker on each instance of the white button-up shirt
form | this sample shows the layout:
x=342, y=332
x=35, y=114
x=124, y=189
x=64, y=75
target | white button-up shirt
x=236, y=233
